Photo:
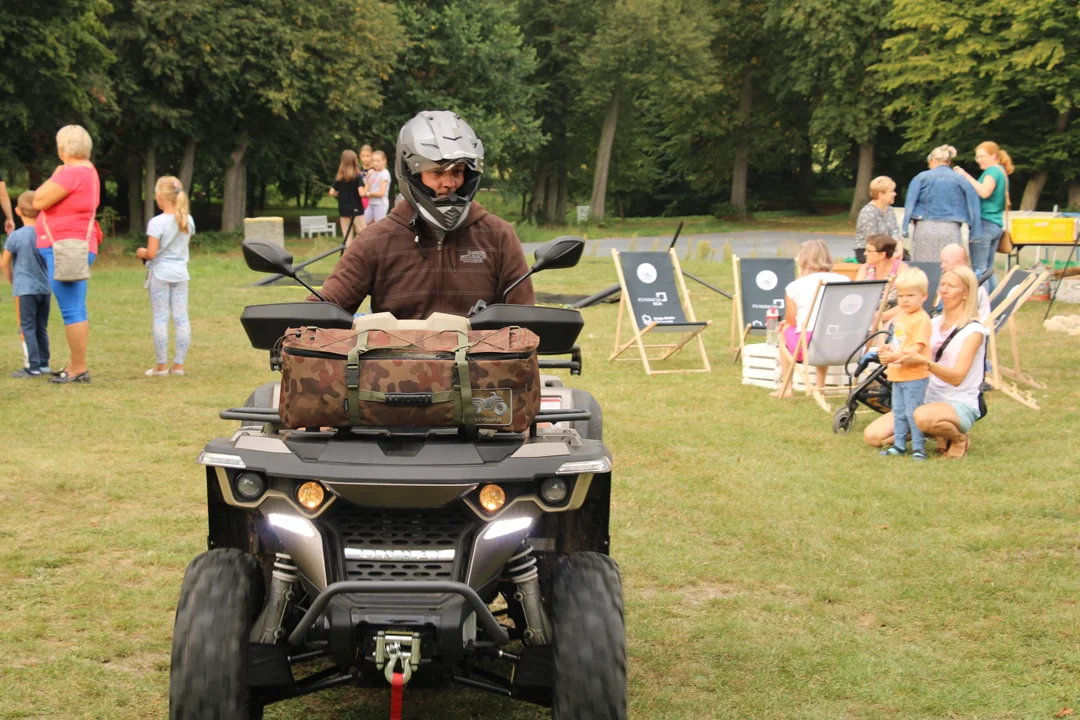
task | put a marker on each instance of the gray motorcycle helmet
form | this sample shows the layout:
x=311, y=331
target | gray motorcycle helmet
x=432, y=140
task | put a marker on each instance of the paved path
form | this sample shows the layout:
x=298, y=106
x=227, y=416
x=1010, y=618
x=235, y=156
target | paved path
x=755, y=243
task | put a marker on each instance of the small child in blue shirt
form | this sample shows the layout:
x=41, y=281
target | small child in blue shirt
x=25, y=269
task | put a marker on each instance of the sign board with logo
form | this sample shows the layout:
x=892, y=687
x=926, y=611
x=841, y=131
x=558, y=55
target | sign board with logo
x=651, y=287
x=759, y=285
x=842, y=316
x=845, y=312
x=653, y=296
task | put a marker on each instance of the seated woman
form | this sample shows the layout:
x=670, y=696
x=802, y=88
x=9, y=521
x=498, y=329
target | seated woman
x=882, y=263
x=815, y=268
x=957, y=350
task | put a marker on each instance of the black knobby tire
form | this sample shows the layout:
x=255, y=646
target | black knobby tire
x=593, y=428
x=590, y=639
x=842, y=420
x=219, y=599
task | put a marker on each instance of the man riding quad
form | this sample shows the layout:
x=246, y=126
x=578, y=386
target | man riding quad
x=440, y=250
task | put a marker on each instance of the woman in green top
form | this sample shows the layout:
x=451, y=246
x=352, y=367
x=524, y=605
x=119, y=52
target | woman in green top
x=991, y=187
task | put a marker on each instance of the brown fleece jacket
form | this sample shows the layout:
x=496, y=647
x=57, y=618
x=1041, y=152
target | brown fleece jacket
x=478, y=261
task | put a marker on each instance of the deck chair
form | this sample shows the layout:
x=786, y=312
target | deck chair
x=1005, y=302
x=841, y=319
x=759, y=285
x=933, y=276
x=656, y=300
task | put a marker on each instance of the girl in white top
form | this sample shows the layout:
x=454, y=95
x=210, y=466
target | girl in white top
x=377, y=189
x=952, y=398
x=166, y=256
x=815, y=268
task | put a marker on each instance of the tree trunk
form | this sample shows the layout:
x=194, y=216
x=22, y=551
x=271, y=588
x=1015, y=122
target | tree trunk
x=805, y=196
x=1037, y=181
x=234, y=194
x=1074, y=196
x=603, y=159
x=537, y=199
x=740, y=172
x=135, y=205
x=187, y=165
x=1033, y=189
x=560, y=206
x=551, y=199
x=862, y=178
x=150, y=178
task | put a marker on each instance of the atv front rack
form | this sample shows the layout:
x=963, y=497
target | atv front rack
x=270, y=415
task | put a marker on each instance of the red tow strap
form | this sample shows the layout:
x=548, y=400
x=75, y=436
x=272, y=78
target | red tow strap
x=397, y=695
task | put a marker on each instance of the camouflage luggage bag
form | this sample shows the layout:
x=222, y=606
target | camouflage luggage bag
x=409, y=378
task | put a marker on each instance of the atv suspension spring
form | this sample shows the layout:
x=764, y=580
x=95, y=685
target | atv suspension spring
x=522, y=571
x=521, y=568
x=285, y=569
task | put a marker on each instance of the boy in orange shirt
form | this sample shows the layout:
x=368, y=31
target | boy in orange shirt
x=911, y=336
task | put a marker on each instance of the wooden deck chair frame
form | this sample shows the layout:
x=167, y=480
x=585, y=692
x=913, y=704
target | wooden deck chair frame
x=997, y=371
x=667, y=349
x=802, y=349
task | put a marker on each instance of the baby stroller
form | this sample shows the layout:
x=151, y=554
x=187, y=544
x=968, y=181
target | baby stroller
x=874, y=391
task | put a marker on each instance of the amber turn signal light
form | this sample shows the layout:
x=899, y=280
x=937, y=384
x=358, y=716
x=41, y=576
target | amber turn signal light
x=492, y=497
x=311, y=495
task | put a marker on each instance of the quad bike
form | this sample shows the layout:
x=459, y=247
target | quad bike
x=393, y=556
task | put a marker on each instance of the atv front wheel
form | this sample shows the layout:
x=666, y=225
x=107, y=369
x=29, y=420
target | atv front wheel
x=590, y=639
x=220, y=597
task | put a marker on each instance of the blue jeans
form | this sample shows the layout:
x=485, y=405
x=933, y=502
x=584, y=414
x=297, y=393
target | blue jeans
x=982, y=251
x=906, y=397
x=34, y=321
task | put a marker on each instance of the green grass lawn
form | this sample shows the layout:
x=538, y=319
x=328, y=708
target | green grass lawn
x=771, y=568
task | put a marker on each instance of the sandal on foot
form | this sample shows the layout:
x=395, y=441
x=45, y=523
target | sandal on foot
x=64, y=378
x=893, y=452
x=959, y=447
x=156, y=373
x=918, y=455
x=176, y=372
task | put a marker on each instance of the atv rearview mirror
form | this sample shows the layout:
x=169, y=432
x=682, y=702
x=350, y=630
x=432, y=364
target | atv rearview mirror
x=559, y=254
x=266, y=257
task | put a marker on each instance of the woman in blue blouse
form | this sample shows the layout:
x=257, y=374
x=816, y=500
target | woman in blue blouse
x=939, y=201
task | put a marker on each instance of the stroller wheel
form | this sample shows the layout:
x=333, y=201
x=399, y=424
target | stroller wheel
x=842, y=420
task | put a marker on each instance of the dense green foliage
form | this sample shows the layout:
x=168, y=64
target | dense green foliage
x=642, y=107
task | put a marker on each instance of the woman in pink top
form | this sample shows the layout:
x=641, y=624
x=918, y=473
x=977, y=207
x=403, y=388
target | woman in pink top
x=68, y=203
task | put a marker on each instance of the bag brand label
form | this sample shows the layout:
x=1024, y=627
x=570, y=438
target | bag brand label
x=493, y=407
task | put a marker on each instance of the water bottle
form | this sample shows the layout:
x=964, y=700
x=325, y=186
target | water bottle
x=772, y=324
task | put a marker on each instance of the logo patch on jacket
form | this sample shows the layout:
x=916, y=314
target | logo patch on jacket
x=474, y=256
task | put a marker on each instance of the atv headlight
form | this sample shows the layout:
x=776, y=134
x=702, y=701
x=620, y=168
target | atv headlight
x=250, y=486
x=221, y=460
x=554, y=490
x=579, y=467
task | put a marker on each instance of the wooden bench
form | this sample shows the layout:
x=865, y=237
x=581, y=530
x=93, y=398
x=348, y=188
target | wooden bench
x=312, y=225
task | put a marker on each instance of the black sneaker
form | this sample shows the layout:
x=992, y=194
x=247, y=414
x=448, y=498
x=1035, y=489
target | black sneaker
x=63, y=377
x=24, y=373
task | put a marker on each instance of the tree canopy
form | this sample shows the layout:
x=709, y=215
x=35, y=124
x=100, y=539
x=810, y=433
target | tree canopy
x=632, y=106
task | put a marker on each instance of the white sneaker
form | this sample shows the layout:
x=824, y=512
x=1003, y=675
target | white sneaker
x=156, y=373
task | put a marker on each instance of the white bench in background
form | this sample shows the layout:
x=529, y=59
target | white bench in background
x=312, y=225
